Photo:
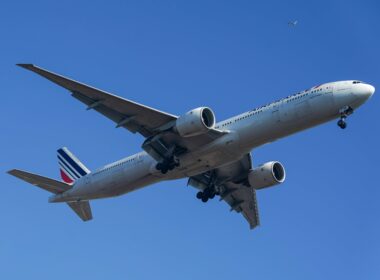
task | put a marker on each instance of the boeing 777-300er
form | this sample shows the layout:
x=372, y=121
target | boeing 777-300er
x=214, y=156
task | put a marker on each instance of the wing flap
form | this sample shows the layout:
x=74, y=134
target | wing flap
x=243, y=200
x=230, y=180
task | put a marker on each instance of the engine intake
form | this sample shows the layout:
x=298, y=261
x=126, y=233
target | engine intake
x=267, y=175
x=195, y=122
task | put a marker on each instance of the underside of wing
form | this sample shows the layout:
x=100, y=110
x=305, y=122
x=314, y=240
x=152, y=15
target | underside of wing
x=231, y=183
x=242, y=200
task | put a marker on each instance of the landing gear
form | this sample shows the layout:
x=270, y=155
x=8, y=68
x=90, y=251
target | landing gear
x=167, y=164
x=162, y=167
x=199, y=195
x=207, y=194
x=209, y=186
x=202, y=196
x=342, y=123
x=344, y=113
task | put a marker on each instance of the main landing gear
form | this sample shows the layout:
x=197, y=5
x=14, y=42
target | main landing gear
x=167, y=164
x=344, y=113
x=207, y=194
x=211, y=188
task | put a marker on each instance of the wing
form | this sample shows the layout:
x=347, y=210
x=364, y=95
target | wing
x=232, y=184
x=153, y=124
x=125, y=113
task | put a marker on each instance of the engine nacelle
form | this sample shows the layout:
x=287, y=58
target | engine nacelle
x=195, y=122
x=266, y=175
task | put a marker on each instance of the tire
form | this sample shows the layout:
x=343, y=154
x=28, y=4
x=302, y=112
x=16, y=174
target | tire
x=159, y=166
x=204, y=199
x=342, y=124
x=199, y=195
x=164, y=170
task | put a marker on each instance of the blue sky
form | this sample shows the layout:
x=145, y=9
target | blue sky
x=322, y=223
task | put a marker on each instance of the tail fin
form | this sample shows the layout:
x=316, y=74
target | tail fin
x=71, y=168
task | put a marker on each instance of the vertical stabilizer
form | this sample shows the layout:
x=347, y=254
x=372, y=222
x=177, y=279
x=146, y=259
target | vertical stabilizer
x=71, y=168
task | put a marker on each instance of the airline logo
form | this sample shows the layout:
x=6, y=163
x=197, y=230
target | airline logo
x=71, y=168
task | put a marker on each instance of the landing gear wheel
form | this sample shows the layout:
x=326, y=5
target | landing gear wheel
x=344, y=113
x=204, y=199
x=164, y=170
x=342, y=124
x=162, y=167
x=211, y=196
x=159, y=166
x=199, y=195
x=167, y=164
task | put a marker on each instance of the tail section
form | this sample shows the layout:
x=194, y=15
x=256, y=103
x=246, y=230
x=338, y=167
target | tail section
x=71, y=168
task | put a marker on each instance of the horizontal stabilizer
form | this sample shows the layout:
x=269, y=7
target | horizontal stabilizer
x=45, y=183
x=82, y=209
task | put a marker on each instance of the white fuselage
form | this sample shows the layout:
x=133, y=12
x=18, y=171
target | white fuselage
x=246, y=132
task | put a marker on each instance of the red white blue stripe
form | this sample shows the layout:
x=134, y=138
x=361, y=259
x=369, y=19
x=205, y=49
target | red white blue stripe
x=71, y=168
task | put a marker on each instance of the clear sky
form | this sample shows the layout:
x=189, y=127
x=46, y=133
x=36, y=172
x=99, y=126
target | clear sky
x=322, y=223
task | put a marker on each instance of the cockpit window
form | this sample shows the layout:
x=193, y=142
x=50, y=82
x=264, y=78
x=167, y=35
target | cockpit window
x=356, y=82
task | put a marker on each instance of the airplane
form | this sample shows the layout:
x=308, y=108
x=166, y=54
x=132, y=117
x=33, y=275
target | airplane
x=293, y=23
x=215, y=157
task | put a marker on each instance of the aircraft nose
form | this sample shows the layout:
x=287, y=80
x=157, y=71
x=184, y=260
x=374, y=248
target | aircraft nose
x=365, y=91
x=370, y=90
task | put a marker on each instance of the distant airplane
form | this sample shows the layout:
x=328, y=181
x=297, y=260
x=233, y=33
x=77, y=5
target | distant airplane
x=214, y=156
x=293, y=23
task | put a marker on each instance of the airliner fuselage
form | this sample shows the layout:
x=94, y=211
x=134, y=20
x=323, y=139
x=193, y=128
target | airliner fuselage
x=247, y=131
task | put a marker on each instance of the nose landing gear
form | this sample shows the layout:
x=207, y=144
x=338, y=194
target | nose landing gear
x=344, y=113
x=342, y=123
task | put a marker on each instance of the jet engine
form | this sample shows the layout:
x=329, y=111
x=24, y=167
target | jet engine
x=195, y=122
x=266, y=175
